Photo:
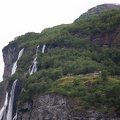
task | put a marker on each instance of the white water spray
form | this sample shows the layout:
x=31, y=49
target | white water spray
x=34, y=66
x=8, y=116
x=43, y=49
x=15, y=63
x=3, y=109
x=37, y=50
x=10, y=105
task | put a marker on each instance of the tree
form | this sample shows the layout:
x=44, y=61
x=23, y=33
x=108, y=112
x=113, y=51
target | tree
x=104, y=74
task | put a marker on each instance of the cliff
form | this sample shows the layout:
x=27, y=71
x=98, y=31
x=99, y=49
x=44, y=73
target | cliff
x=57, y=107
x=67, y=72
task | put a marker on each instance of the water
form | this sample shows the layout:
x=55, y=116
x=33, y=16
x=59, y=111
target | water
x=3, y=109
x=20, y=54
x=37, y=50
x=15, y=117
x=43, y=49
x=8, y=116
x=34, y=66
x=14, y=67
x=15, y=63
x=10, y=105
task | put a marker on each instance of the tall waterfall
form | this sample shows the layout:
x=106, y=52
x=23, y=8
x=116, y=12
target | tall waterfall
x=10, y=105
x=37, y=50
x=15, y=63
x=7, y=109
x=34, y=66
x=43, y=48
x=3, y=109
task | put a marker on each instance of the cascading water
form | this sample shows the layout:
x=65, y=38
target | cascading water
x=3, y=110
x=37, y=50
x=15, y=63
x=34, y=66
x=15, y=117
x=6, y=113
x=43, y=49
x=10, y=105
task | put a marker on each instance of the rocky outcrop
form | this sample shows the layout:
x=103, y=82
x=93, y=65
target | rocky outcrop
x=10, y=53
x=9, y=56
x=2, y=96
x=98, y=10
x=106, y=39
x=45, y=107
x=57, y=107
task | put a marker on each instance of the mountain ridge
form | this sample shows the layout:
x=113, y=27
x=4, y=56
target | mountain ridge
x=98, y=10
x=70, y=71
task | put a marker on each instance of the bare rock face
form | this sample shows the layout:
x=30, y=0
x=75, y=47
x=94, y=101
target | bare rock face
x=45, y=107
x=10, y=53
x=57, y=107
x=107, y=39
x=50, y=107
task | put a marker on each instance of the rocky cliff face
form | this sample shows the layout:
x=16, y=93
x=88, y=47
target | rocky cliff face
x=9, y=56
x=45, y=107
x=107, y=39
x=57, y=107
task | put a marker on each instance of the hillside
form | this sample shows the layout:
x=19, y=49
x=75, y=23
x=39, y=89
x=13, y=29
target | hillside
x=98, y=10
x=70, y=71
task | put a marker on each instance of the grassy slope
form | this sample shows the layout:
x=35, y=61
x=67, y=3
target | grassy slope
x=92, y=91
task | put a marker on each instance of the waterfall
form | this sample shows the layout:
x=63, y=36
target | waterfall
x=15, y=63
x=3, y=109
x=37, y=50
x=34, y=66
x=15, y=117
x=43, y=49
x=8, y=115
x=10, y=105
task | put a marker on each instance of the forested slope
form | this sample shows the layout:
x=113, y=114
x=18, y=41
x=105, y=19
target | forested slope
x=80, y=60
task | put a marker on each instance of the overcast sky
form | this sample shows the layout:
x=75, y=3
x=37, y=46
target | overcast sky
x=18, y=17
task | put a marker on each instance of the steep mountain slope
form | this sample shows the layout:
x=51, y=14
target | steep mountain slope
x=98, y=10
x=67, y=72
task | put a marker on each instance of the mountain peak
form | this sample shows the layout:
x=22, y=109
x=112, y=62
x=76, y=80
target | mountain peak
x=104, y=7
x=98, y=10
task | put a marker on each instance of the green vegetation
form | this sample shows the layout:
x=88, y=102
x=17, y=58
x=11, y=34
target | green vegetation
x=95, y=11
x=105, y=22
x=71, y=65
x=64, y=71
x=90, y=89
x=104, y=74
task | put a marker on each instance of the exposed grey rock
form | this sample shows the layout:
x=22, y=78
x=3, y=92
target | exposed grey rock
x=9, y=56
x=57, y=107
x=47, y=107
